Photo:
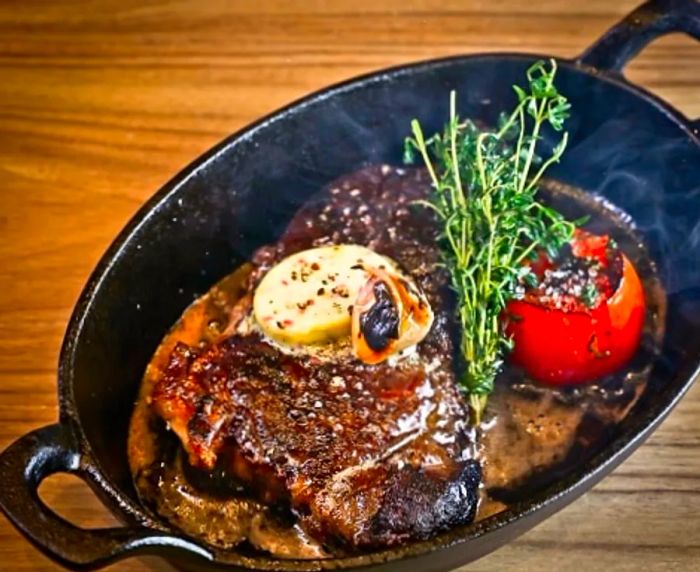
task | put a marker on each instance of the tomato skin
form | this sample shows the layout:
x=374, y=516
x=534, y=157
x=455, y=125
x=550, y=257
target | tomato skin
x=558, y=347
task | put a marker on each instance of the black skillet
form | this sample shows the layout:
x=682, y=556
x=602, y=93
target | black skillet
x=626, y=145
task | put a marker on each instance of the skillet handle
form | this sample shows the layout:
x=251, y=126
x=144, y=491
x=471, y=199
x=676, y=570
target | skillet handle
x=649, y=21
x=41, y=453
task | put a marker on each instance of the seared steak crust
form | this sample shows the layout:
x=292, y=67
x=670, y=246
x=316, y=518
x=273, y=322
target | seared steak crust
x=367, y=456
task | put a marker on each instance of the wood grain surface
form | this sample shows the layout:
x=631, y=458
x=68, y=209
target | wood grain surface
x=101, y=102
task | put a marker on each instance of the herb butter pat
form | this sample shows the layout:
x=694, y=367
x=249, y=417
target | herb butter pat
x=307, y=298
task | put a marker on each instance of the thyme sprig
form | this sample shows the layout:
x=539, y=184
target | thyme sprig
x=484, y=193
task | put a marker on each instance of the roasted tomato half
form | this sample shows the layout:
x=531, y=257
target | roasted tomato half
x=583, y=319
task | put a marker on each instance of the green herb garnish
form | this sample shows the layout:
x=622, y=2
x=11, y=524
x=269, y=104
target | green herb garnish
x=485, y=183
x=589, y=295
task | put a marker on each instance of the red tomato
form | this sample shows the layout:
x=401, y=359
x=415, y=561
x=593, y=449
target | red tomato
x=576, y=344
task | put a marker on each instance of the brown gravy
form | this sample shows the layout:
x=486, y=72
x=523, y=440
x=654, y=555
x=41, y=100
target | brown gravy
x=530, y=437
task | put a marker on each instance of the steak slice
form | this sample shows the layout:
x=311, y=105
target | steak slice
x=366, y=455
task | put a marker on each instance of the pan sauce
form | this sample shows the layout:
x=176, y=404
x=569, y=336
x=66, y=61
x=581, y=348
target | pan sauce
x=530, y=437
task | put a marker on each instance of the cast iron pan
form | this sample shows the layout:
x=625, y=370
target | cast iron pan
x=626, y=145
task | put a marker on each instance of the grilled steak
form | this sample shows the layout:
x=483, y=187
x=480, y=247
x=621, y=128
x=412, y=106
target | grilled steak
x=366, y=455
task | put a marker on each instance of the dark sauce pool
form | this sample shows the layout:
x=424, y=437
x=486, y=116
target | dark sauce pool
x=531, y=435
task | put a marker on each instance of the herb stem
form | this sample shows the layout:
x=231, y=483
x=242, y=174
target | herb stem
x=484, y=197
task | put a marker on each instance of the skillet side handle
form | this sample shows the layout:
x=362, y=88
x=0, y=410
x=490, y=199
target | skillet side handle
x=41, y=453
x=649, y=21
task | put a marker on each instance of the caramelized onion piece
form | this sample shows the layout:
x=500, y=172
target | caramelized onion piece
x=389, y=315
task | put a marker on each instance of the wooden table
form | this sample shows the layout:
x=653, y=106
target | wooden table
x=101, y=102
